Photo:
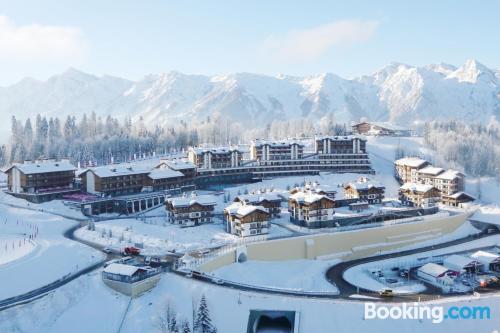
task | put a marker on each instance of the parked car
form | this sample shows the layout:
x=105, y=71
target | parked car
x=107, y=250
x=386, y=293
x=391, y=280
x=131, y=250
x=404, y=273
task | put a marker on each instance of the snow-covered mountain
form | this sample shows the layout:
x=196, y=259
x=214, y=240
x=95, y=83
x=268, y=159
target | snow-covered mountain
x=398, y=92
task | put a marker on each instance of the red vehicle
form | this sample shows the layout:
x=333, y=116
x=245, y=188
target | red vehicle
x=131, y=251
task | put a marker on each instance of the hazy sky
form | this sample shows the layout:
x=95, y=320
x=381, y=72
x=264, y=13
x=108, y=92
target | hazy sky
x=134, y=38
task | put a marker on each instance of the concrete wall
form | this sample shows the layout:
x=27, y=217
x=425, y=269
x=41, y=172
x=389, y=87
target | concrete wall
x=133, y=289
x=345, y=245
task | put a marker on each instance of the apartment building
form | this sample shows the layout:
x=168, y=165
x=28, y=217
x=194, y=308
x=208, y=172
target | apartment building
x=215, y=158
x=310, y=209
x=271, y=201
x=405, y=169
x=339, y=145
x=41, y=180
x=264, y=151
x=365, y=190
x=115, y=180
x=190, y=210
x=419, y=195
x=246, y=220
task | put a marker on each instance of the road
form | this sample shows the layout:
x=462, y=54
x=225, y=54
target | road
x=335, y=273
x=42, y=291
x=346, y=290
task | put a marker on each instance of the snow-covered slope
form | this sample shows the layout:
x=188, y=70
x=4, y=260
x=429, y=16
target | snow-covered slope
x=398, y=92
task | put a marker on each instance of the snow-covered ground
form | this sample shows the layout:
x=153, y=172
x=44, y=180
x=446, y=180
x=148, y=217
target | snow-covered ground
x=13, y=247
x=86, y=305
x=360, y=276
x=297, y=275
x=159, y=236
x=53, y=257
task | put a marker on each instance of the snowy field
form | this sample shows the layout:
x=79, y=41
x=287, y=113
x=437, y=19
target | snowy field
x=17, y=239
x=159, y=236
x=53, y=257
x=229, y=310
x=297, y=275
x=13, y=247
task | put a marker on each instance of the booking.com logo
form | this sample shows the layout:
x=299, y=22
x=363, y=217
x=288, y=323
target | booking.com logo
x=422, y=312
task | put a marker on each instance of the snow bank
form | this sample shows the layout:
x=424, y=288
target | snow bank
x=297, y=275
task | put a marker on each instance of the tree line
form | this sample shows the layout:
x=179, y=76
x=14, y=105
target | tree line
x=94, y=140
x=473, y=147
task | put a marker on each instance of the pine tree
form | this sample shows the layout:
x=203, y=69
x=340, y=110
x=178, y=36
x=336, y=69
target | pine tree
x=203, y=322
x=185, y=327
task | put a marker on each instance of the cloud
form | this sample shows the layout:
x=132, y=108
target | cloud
x=40, y=43
x=310, y=44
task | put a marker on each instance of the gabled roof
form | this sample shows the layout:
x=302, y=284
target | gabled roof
x=414, y=162
x=118, y=170
x=389, y=126
x=258, y=197
x=164, y=172
x=365, y=185
x=204, y=200
x=433, y=269
x=245, y=210
x=460, y=195
x=450, y=175
x=178, y=164
x=458, y=262
x=31, y=168
x=419, y=188
x=308, y=197
x=485, y=258
x=122, y=269
x=431, y=170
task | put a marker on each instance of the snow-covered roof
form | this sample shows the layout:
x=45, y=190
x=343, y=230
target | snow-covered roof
x=387, y=125
x=485, y=258
x=420, y=188
x=460, y=194
x=122, y=269
x=307, y=197
x=365, y=185
x=431, y=170
x=179, y=164
x=450, y=175
x=119, y=170
x=46, y=166
x=281, y=143
x=204, y=200
x=413, y=162
x=164, y=172
x=244, y=210
x=259, y=197
x=237, y=208
x=338, y=137
x=219, y=150
x=318, y=188
x=458, y=262
x=433, y=269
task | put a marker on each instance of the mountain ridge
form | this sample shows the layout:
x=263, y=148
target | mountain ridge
x=398, y=92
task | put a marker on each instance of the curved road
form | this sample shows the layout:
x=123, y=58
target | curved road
x=42, y=291
x=335, y=274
